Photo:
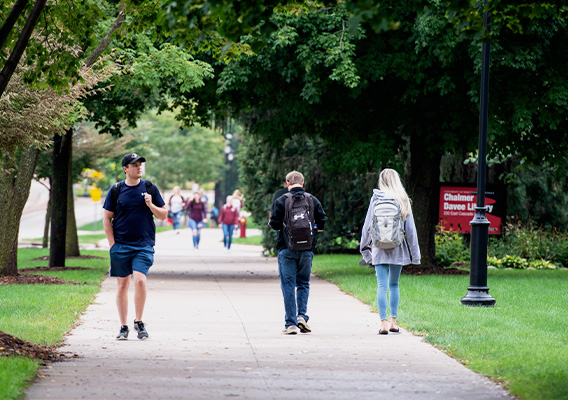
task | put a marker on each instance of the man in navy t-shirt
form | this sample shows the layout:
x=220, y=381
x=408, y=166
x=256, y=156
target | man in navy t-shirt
x=129, y=226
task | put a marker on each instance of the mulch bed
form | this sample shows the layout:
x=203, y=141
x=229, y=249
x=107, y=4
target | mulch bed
x=35, y=269
x=13, y=346
x=45, y=258
x=31, y=279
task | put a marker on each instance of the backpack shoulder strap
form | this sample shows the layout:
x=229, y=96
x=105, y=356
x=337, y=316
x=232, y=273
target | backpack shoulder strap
x=287, y=207
x=310, y=200
x=151, y=189
x=114, y=191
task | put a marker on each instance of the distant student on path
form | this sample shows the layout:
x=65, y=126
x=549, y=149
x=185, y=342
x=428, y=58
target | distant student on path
x=388, y=262
x=228, y=218
x=197, y=217
x=175, y=205
x=128, y=220
x=296, y=215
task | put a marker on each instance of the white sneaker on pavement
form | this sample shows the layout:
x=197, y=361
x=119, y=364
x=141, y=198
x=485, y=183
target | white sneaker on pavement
x=291, y=330
x=303, y=325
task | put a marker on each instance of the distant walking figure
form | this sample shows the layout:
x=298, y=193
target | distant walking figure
x=296, y=215
x=197, y=217
x=175, y=205
x=389, y=255
x=129, y=211
x=228, y=218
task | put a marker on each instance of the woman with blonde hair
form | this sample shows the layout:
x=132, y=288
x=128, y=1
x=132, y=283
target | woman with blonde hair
x=175, y=206
x=389, y=262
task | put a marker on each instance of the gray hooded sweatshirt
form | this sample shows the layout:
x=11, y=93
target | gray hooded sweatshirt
x=399, y=255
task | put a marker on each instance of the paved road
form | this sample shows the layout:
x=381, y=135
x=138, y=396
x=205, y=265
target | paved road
x=215, y=322
x=33, y=217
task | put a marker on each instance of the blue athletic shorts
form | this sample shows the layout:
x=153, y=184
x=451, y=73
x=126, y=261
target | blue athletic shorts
x=124, y=259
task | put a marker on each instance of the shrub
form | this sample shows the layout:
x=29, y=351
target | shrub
x=531, y=242
x=542, y=264
x=450, y=247
x=494, y=262
x=514, y=262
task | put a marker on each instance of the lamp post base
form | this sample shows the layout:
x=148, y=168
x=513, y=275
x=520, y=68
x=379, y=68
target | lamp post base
x=478, y=296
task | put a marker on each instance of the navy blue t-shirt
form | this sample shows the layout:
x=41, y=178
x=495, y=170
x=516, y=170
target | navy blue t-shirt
x=133, y=221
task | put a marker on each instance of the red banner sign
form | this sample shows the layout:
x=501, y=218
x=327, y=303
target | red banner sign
x=457, y=208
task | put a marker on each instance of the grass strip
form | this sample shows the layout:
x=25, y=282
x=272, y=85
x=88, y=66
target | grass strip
x=97, y=237
x=522, y=341
x=254, y=240
x=43, y=314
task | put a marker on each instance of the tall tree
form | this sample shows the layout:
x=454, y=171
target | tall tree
x=62, y=241
x=411, y=91
x=28, y=119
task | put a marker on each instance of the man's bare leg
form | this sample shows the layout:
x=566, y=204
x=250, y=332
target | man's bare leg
x=122, y=298
x=139, y=294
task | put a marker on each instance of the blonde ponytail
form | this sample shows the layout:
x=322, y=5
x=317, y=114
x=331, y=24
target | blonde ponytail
x=389, y=181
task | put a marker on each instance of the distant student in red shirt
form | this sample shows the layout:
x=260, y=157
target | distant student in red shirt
x=228, y=219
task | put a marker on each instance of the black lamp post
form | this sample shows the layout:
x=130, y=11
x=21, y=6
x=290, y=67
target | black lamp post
x=230, y=155
x=478, y=291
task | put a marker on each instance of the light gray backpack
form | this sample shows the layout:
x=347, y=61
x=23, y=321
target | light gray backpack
x=387, y=225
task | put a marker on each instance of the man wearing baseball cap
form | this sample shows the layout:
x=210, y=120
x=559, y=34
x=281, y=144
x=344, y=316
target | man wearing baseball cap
x=129, y=211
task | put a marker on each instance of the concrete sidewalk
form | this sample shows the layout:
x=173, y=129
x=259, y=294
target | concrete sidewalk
x=215, y=322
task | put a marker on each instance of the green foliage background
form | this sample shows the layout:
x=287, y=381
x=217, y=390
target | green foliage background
x=344, y=195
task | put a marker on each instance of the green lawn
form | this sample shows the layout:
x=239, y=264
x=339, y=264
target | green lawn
x=522, y=341
x=98, y=226
x=43, y=314
x=97, y=237
x=256, y=240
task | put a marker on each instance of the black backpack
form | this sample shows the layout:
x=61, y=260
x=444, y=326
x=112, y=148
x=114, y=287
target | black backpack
x=299, y=221
x=114, y=190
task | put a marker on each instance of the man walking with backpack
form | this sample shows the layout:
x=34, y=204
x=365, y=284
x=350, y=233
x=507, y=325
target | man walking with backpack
x=298, y=216
x=128, y=220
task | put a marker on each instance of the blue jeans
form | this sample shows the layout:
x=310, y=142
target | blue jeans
x=295, y=268
x=227, y=234
x=175, y=219
x=196, y=227
x=387, y=281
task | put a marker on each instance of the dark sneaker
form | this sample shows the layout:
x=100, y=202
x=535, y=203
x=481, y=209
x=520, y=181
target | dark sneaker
x=142, y=332
x=123, y=334
x=303, y=325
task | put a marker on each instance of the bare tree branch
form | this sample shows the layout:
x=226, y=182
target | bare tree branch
x=106, y=41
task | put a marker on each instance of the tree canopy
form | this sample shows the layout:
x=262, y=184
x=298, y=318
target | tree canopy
x=410, y=92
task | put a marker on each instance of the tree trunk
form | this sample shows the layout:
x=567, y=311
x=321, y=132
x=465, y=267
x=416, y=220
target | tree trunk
x=15, y=184
x=45, y=241
x=72, y=240
x=61, y=149
x=9, y=23
x=21, y=44
x=424, y=186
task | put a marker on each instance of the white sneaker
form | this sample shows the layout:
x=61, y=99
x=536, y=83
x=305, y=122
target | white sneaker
x=291, y=330
x=303, y=325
